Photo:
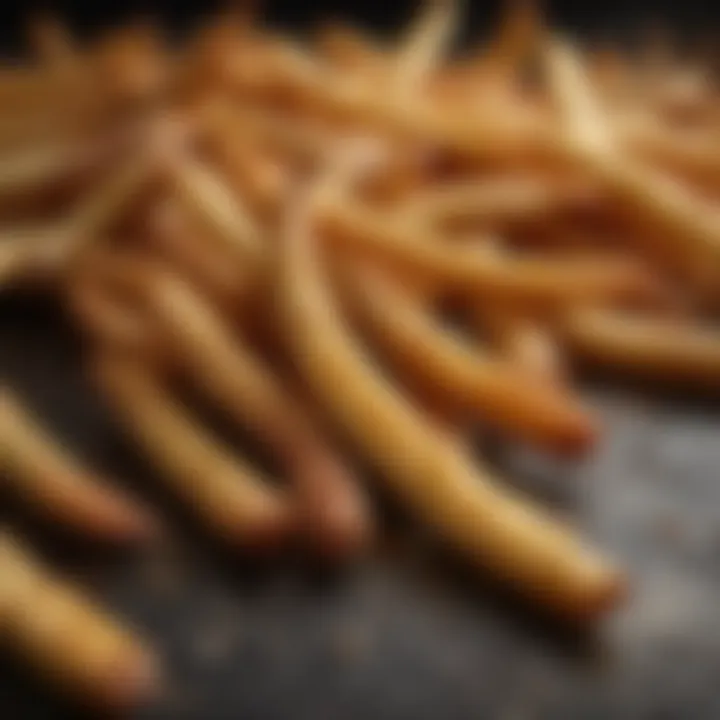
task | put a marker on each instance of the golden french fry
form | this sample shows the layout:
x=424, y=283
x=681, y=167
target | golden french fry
x=67, y=639
x=494, y=528
x=226, y=370
x=425, y=44
x=95, y=214
x=50, y=481
x=252, y=173
x=500, y=394
x=518, y=37
x=232, y=500
x=496, y=200
x=477, y=271
x=172, y=235
x=351, y=49
x=654, y=348
x=685, y=229
x=213, y=204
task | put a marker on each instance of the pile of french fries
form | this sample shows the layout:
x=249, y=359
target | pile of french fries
x=355, y=250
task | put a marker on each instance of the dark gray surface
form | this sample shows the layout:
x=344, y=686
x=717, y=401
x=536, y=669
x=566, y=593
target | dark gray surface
x=405, y=636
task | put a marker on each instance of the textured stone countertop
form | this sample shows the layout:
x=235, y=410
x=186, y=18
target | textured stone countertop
x=406, y=636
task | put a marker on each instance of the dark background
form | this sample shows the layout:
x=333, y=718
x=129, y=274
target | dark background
x=608, y=17
x=405, y=636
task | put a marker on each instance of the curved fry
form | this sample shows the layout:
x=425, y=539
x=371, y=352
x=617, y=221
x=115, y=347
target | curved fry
x=56, y=487
x=231, y=499
x=69, y=640
x=649, y=347
x=500, y=394
x=494, y=528
x=480, y=272
x=424, y=46
x=329, y=497
x=686, y=229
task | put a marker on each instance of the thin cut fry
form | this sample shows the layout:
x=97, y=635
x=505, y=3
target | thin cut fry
x=494, y=201
x=214, y=269
x=479, y=272
x=500, y=394
x=492, y=527
x=232, y=500
x=647, y=347
x=94, y=214
x=67, y=639
x=56, y=487
x=687, y=229
x=204, y=194
x=328, y=495
x=427, y=40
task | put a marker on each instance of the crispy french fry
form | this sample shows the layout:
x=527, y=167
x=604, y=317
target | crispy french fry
x=329, y=498
x=231, y=499
x=686, y=229
x=496, y=200
x=253, y=174
x=661, y=349
x=494, y=528
x=351, y=49
x=500, y=394
x=477, y=271
x=518, y=37
x=216, y=270
x=67, y=639
x=482, y=135
x=50, y=481
x=95, y=214
x=425, y=44
x=213, y=204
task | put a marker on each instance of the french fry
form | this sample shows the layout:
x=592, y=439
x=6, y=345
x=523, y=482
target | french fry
x=95, y=214
x=570, y=210
x=349, y=48
x=67, y=639
x=231, y=499
x=253, y=174
x=221, y=213
x=477, y=271
x=51, y=482
x=500, y=394
x=214, y=269
x=425, y=44
x=494, y=201
x=520, y=32
x=655, y=348
x=687, y=229
x=334, y=510
x=494, y=528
